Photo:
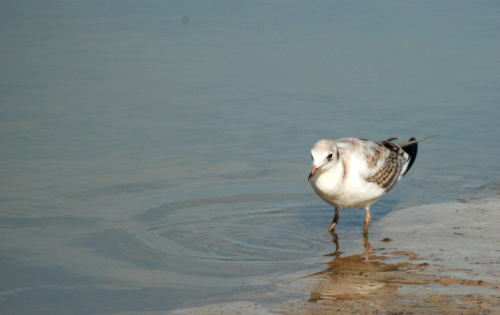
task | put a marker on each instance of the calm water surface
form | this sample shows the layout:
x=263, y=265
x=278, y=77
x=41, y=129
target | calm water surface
x=154, y=156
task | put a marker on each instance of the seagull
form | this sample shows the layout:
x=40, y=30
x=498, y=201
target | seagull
x=354, y=173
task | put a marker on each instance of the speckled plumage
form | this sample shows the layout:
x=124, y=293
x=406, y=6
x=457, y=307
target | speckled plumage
x=387, y=176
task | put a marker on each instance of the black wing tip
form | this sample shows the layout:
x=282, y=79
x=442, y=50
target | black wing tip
x=412, y=150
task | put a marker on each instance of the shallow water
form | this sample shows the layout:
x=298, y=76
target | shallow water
x=151, y=162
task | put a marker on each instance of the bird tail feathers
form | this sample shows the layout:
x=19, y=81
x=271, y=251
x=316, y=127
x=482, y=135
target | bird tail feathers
x=411, y=148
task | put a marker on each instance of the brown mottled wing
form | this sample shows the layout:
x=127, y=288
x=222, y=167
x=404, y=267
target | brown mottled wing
x=389, y=173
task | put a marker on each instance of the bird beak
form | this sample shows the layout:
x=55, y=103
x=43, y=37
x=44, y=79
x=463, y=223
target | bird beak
x=314, y=170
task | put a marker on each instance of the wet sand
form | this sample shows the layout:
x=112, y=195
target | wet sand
x=433, y=259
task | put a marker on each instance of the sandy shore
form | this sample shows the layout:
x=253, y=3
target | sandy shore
x=433, y=259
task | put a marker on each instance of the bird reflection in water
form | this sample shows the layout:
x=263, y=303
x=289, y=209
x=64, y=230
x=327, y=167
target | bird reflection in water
x=337, y=253
x=353, y=276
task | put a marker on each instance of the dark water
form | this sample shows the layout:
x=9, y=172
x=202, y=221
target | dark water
x=154, y=155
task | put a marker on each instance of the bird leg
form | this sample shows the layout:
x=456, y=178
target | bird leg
x=335, y=220
x=368, y=218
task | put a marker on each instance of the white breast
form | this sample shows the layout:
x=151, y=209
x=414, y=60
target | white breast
x=346, y=188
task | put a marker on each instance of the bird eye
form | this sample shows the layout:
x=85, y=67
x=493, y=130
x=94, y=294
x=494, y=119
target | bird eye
x=330, y=156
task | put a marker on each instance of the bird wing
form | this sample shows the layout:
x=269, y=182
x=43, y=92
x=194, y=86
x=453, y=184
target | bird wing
x=375, y=162
x=381, y=163
x=392, y=167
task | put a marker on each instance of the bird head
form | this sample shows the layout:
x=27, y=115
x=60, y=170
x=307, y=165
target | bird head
x=325, y=155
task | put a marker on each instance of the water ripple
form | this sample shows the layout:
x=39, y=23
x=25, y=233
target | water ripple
x=237, y=229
